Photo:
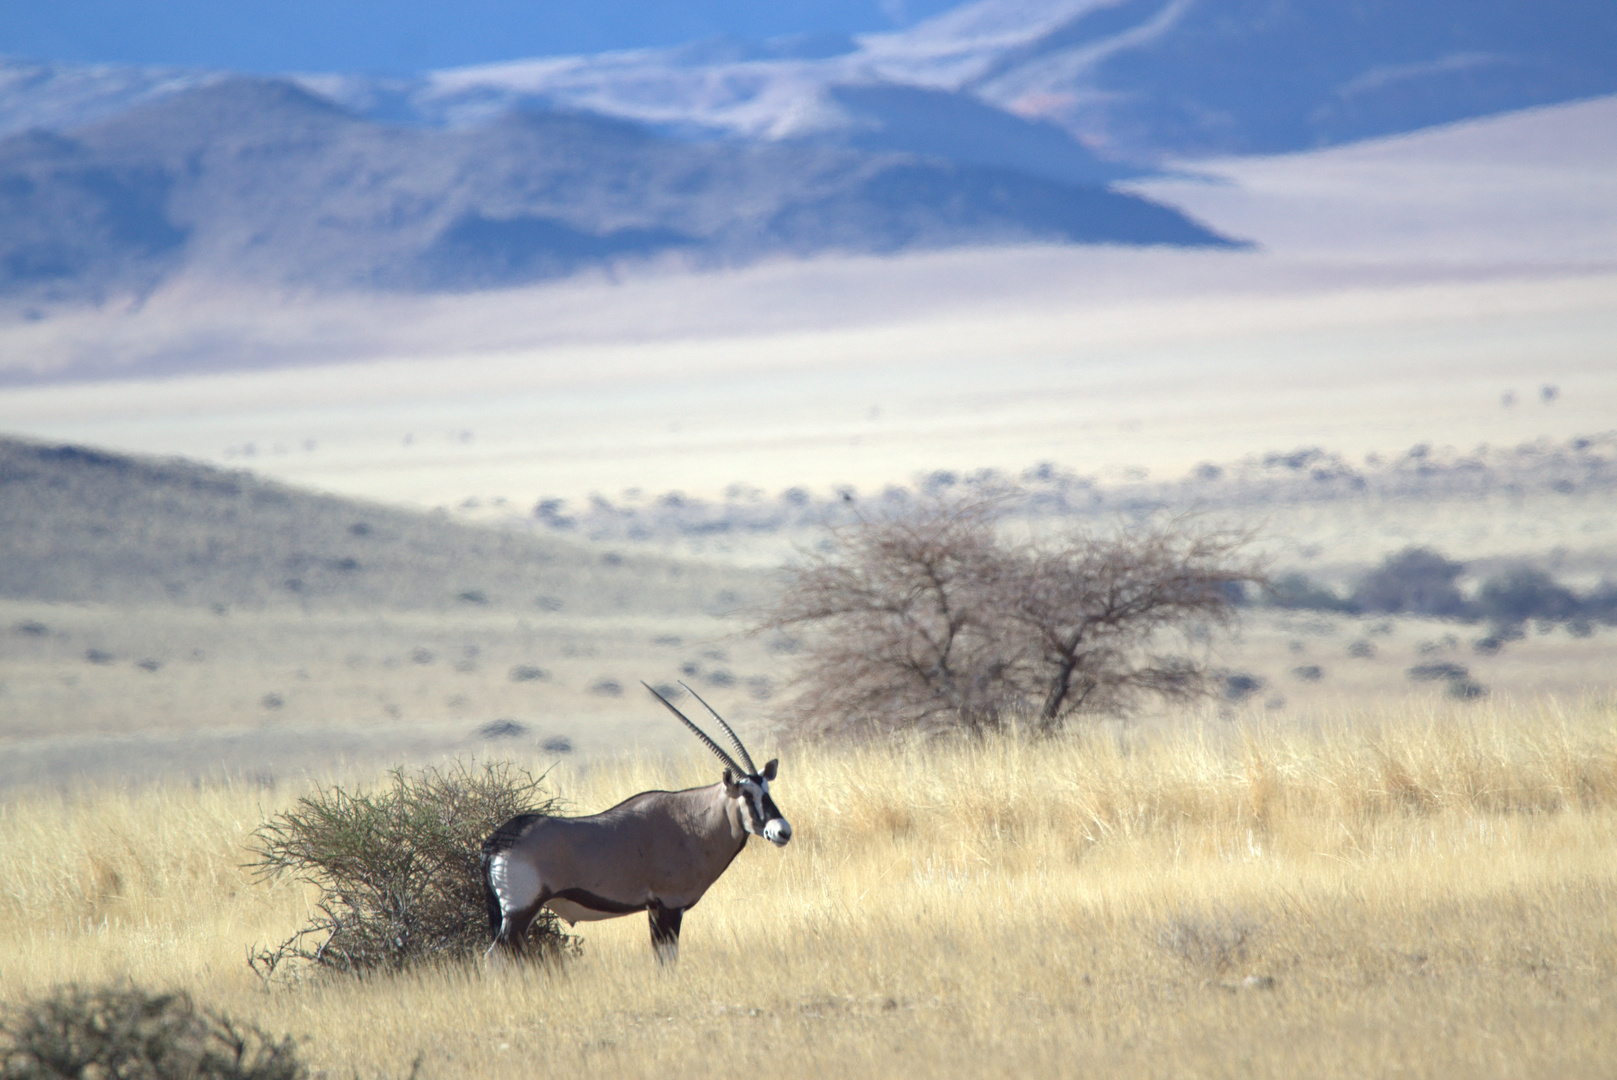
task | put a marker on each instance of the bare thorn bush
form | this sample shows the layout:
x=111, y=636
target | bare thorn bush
x=934, y=619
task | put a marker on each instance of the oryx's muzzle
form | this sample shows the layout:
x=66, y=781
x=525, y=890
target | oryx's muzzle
x=778, y=831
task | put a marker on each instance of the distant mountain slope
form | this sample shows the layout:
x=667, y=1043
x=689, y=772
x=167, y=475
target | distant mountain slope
x=1034, y=85
x=1138, y=80
x=1188, y=77
x=80, y=525
x=260, y=180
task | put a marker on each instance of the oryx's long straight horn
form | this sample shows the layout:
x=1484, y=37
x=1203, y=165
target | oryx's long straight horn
x=657, y=852
x=752, y=770
x=700, y=734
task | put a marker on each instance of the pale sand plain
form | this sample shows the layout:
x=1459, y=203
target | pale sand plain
x=1399, y=292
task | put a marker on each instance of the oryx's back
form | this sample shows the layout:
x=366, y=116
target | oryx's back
x=658, y=847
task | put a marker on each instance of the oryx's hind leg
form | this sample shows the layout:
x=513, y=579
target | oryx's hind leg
x=515, y=894
x=665, y=931
x=512, y=938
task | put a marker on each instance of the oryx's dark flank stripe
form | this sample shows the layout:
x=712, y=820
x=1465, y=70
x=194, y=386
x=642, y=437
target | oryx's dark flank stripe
x=657, y=852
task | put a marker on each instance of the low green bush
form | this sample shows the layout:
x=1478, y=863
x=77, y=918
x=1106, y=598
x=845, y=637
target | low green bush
x=135, y=1034
x=398, y=869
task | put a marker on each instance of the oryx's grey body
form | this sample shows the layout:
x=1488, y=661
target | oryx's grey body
x=656, y=852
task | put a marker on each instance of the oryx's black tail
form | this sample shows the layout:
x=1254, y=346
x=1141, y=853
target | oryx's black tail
x=490, y=901
x=502, y=838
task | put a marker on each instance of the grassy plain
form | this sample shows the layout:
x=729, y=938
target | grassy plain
x=1427, y=890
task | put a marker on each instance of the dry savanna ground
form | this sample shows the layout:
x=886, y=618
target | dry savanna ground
x=1427, y=889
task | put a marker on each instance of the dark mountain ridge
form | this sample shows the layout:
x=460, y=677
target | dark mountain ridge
x=258, y=179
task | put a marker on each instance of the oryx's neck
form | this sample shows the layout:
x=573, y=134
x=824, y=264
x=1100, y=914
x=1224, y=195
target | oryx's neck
x=717, y=815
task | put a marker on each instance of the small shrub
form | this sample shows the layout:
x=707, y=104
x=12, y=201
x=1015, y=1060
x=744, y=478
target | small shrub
x=1600, y=603
x=1209, y=944
x=129, y=1032
x=398, y=869
x=1525, y=592
x=1308, y=672
x=1416, y=580
x=1238, y=686
x=1297, y=592
x=529, y=673
x=1434, y=672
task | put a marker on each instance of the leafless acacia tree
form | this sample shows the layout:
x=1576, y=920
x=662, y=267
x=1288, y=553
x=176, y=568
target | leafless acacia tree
x=933, y=619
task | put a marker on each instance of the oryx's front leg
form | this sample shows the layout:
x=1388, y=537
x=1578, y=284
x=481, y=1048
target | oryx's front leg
x=664, y=930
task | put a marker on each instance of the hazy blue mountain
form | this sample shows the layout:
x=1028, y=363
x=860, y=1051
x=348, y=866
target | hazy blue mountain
x=1002, y=82
x=1134, y=80
x=958, y=127
x=260, y=180
x=794, y=129
x=1148, y=77
x=57, y=96
x=70, y=215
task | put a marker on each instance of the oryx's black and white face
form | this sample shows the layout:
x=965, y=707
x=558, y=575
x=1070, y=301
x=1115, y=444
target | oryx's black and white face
x=759, y=814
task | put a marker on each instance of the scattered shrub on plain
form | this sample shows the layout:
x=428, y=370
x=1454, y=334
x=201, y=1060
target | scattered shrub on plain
x=1238, y=686
x=1212, y=944
x=1298, y=592
x=1416, y=581
x=1525, y=592
x=1435, y=671
x=398, y=869
x=125, y=1031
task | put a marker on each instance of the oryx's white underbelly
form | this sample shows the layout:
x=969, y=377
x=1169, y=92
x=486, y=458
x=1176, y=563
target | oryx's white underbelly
x=577, y=913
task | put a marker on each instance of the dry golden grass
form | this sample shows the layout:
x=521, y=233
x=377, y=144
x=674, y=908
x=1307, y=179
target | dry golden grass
x=1426, y=891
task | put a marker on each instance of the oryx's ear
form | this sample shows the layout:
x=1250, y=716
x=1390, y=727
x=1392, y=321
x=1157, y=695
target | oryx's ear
x=769, y=770
x=731, y=788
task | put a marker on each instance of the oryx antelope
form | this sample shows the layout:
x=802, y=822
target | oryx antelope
x=656, y=852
